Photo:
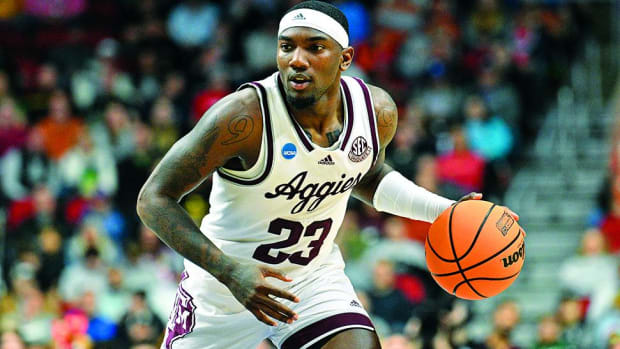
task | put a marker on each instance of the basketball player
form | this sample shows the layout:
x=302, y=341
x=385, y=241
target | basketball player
x=285, y=153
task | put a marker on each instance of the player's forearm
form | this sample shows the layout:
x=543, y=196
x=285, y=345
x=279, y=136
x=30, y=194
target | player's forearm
x=365, y=190
x=175, y=228
x=398, y=195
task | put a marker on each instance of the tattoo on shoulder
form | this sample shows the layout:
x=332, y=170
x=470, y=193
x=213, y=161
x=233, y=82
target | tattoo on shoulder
x=240, y=128
x=386, y=117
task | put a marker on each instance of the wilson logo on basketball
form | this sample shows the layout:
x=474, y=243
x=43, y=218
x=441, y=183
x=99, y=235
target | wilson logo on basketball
x=504, y=223
x=513, y=258
x=359, y=149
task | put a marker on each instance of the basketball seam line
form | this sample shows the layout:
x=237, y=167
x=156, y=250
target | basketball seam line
x=489, y=279
x=428, y=240
x=478, y=232
x=454, y=253
x=484, y=261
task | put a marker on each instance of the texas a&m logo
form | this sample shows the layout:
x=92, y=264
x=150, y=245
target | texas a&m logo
x=182, y=318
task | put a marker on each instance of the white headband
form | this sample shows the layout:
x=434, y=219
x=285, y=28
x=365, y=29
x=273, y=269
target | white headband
x=305, y=17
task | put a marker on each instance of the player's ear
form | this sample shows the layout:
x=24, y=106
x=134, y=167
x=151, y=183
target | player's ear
x=346, y=58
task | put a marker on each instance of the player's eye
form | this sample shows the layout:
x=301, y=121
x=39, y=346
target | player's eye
x=285, y=47
x=317, y=47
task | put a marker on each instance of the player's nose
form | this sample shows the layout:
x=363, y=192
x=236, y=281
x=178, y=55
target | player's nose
x=298, y=60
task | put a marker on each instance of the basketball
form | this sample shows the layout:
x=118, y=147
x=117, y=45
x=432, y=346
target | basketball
x=475, y=249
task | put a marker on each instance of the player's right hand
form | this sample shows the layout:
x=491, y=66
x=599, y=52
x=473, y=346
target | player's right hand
x=249, y=286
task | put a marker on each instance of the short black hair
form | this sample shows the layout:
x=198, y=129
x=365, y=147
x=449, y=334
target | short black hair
x=327, y=9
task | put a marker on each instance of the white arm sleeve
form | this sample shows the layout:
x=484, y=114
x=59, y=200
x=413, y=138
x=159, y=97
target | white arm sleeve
x=397, y=195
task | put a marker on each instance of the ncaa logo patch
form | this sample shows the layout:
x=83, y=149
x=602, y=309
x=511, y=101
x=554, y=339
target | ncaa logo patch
x=289, y=150
x=359, y=149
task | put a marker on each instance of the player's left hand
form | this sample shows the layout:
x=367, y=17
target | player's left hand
x=470, y=196
x=478, y=196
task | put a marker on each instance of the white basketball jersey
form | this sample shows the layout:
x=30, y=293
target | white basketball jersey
x=286, y=210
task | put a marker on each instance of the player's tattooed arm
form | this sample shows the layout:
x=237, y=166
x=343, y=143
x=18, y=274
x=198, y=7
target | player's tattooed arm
x=231, y=128
x=387, y=119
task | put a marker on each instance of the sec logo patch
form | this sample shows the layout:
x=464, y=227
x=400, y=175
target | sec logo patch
x=289, y=150
x=359, y=149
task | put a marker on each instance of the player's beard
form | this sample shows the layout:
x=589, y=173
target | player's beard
x=300, y=102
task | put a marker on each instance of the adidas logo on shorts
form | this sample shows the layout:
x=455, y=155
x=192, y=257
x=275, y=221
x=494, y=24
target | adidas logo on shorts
x=354, y=303
x=299, y=16
x=327, y=161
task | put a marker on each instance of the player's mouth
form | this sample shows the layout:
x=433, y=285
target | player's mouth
x=299, y=82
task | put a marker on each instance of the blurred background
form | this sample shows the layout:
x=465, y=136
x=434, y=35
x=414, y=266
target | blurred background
x=516, y=99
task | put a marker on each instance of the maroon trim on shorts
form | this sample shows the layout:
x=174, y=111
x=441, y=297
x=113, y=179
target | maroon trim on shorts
x=321, y=327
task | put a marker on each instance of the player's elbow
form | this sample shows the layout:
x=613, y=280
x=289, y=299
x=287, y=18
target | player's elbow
x=145, y=197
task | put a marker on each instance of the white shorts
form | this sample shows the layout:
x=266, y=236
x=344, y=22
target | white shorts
x=207, y=316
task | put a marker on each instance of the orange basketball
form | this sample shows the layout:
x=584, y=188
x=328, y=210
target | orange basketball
x=475, y=249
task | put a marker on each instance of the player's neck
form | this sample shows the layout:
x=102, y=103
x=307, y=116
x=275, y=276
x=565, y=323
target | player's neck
x=322, y=114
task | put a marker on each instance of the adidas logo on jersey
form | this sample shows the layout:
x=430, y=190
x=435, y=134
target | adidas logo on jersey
x=299, y=16
x=354, y=303
x=327, y=161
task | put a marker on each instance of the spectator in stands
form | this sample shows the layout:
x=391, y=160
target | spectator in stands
x=490, y=137
x=388, y=302
x=549, y=331
x=102, y=78
x=505, y=318
x=486, y=21
x=50, y=246
x=216, y=89
x=139, y=325
x=61, y=130
x=500, y=97
x=441, y=99
x=259, y=47
x=487, y=134
x=88, y=274
x=37, y=97
x=591, y=274
x=28, y=216
x=13, y=125
x=570, y=318
x=115, y=132
x=134, y=170
x=165, y=127
x=23, y=168
x=113, y=302
x=460, y=170
x=91, y=235
x=89, y=169
x=193, y=23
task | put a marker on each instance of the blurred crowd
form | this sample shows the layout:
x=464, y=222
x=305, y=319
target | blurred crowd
x=93, y=93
